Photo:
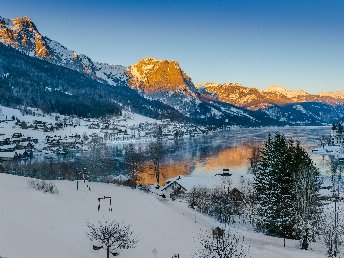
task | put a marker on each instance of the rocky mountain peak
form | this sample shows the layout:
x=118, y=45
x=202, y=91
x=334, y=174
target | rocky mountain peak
x=253, y=98
x=24, y=22
x=286, y=92
x=22, y=33
x=153, y=75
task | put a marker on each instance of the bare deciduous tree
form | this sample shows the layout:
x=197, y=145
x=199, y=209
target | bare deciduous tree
x=223, y=245
x=333, y=233
x=133, y=164
x=156, y=154
x=307, y=205
x=255, y=155
x=111, y=236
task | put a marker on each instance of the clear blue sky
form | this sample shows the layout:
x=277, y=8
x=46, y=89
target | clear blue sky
x=298, y=44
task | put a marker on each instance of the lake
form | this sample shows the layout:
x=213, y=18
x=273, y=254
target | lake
x=202, y=156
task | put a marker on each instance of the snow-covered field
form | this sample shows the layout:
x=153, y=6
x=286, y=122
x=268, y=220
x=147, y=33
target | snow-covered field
x=38, y=225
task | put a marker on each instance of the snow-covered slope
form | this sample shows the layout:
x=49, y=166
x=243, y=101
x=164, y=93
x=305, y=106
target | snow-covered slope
x=38, y=225
x=306, y=113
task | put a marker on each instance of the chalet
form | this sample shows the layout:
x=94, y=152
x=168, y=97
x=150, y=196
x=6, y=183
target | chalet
x=39, y=122
x=341, y=158
x=166, y=121
x=17, y=135
x=105, y=126
x=225, y=172
x=94, y=126
x=23, y=154
x=39, y=125
x=173, y=188
x=237, y=195
x=168, y=135
x=24, y=146
x=75, y=136
x=337, y=134
x=184, y=184
x=68, y=124
x=8, y=148
x=8, y=155
x=5, y=141
x=58, y=125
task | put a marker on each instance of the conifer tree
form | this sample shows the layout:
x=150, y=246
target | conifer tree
x=286, y=185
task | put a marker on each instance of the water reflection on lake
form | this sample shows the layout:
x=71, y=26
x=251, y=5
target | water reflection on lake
x=202, y=156
x=207, y=156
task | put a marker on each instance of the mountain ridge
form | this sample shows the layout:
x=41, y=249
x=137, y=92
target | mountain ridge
x=254, y=99
x=22, y=34
x=166, y=82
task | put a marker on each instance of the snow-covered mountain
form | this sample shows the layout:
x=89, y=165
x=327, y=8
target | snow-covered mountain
x=335, y=95
x=165, y=81
x=254, y=99
x=291, y=94
x=152, y=75
x=22, y=34
x=291, y=106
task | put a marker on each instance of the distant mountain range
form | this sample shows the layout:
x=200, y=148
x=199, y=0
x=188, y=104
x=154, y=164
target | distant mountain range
x=156, y=81
x=253, y=98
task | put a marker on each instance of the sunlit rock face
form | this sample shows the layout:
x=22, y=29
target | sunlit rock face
x=22, y=34
x=253, y=98
x=165, y=81
x=152, y=75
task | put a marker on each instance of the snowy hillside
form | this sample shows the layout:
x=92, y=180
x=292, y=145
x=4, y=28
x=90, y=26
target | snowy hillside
x=36, y=225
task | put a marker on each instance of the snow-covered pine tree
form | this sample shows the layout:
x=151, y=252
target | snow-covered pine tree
x=263, y=184
x=279, y=171
x=307, y=203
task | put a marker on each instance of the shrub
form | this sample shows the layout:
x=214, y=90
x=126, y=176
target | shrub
x=43, y=186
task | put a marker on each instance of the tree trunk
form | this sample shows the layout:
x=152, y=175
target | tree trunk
x=108, y=252
x=304, y=245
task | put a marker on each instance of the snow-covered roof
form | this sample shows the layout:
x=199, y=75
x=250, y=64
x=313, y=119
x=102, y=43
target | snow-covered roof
x=6, y=154
x=189, y=182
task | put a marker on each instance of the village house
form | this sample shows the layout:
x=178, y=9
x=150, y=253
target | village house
x=16, y=135
x=184, y=184
x=337, y=134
